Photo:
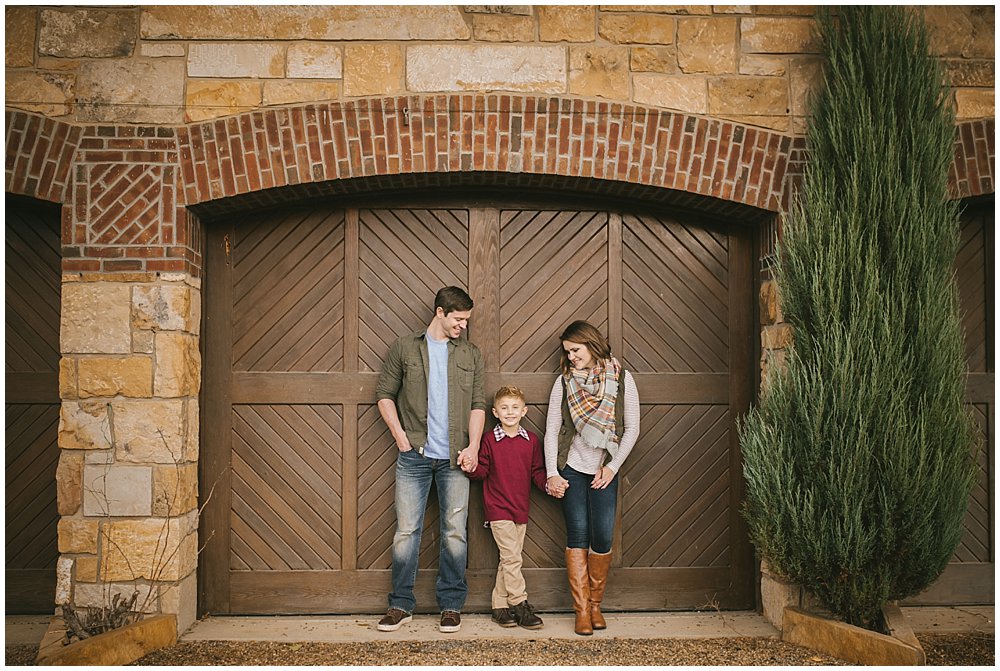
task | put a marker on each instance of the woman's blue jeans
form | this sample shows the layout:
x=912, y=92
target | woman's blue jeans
x=589, y=513
x=414, y=475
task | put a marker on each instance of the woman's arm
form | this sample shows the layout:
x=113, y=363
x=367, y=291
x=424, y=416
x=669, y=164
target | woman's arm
x=631, y=421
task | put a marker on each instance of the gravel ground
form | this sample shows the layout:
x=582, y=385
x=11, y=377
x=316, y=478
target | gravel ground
x=941, y=649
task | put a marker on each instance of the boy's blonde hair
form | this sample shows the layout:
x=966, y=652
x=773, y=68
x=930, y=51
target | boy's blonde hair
x=508, y=392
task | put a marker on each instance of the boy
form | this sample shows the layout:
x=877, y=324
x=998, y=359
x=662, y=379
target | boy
x=510, y=459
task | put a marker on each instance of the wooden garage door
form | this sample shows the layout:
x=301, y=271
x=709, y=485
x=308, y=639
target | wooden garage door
x=32, y=279
x=301, y=309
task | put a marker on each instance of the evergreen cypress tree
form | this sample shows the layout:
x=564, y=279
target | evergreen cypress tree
x=858, y=461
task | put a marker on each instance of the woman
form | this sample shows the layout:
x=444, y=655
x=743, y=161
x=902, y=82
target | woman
x=592, y=425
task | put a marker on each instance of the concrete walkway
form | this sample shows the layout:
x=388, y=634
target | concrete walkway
x=29, y=630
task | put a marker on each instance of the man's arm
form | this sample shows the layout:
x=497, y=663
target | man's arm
x=389, y=382
x=387, y=408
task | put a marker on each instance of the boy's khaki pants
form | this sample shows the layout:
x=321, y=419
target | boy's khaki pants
x=510, y=589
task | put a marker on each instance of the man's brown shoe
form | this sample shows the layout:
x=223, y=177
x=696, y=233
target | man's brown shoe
x=394, y=619
x=451, y=621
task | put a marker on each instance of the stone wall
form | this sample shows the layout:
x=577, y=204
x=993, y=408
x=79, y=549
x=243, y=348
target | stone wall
x=753, y=64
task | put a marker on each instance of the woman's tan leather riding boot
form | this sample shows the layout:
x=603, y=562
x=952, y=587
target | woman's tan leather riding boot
x=579, y=589
x=598, y=566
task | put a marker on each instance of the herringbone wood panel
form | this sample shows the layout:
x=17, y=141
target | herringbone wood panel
x=30, y=459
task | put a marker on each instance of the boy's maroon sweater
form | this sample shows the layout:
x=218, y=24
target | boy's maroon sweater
x=508, y=467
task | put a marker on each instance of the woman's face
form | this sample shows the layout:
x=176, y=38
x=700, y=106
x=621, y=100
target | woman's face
x=579, y=355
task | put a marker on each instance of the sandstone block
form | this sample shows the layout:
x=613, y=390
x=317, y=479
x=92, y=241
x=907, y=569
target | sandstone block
x=236, y=60
x=161, y=50
x=315, y=60
x=181, y=599
x=95, y=319
x=98, y=595
x=77, y=536
x=84, y=425
x=747, y=96
x=503, y=28
x=970, y=73
x=161, y=307
x=765, y=66
x=659, y=9
x=707, y=45
x=48, y=93
x=637, y=28
x=88, y=33
x=778, y=336
x=178, y=365
x=64, y=580
x=516, y=10
x=313, y=22
x=117, y=491
x=806, y=79
x=151, y=548
x=20, y=27
x=142, y=342
x=284, y=92
x=86, y=569
x=975, y=103
x=373, y=69
x=565, y=23
x=654, y=59
x=131, y=90
x=99, y=457
x=959, y=30
x=109, y=376
x=778, y=36
x=149, y=432
x=68, y=379
x=599, y=71
x=732, y=9
x=175, y=489
x=191, y=436
x=471, y=68
x=212, y=99
x=69, y=482
x=686, y=93
x=770, y=304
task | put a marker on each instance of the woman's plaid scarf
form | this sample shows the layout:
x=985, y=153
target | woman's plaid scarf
x=591, y=396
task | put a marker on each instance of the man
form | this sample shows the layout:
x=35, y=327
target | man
x=430, y=394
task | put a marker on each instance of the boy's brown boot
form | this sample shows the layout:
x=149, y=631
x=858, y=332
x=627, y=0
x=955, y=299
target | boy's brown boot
x=524, y=613
x=598, y=566
x=579, y=589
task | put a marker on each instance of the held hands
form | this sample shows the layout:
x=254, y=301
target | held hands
x=556, y=486
x=602, y=478
x=468, y=459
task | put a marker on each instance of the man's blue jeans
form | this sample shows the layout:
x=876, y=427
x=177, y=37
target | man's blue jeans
x=589, y=513
x=414, y=474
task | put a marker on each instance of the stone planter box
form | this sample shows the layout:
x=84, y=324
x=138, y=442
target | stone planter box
x=854, y=644
x=112, y=648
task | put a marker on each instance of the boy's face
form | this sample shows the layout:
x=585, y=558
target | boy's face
x=509, y=410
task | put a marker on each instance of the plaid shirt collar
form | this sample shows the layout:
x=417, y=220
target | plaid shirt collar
x=500, y=434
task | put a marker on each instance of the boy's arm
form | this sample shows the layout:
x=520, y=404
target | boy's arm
x=538, y=473
x=482, y=469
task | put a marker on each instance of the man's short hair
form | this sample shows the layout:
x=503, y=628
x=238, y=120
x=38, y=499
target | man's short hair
x=508, y=392
x=452, y=299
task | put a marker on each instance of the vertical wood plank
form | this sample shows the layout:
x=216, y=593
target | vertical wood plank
x=349, y=436
x=616, y=338
x=215, y=486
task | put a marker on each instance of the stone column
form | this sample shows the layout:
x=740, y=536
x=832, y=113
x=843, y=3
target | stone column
x=128, y=432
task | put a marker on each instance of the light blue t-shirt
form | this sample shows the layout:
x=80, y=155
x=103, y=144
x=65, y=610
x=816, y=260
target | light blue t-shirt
x=437, y=400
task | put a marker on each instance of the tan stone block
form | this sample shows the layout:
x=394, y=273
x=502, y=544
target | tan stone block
x=732, y=9
x=142, y=342
x=686, y=93
x=707, y=45
x=373, y=69
x=20, y=26
x=770, y=304
x=151, y=548
x=209, y=99
x=637, y=29
x=806, y=80
x=69, y=482
x=114, y=376
x=654, y=59
x=781, y=123
x=298, y=22
x=86, y=569
x=503, y=28
x=194, y=310
x=181, y=599
x=68, y=379
x=100, y=595
x=178, y=365
x=763, y=66
x=130, y=90
x=47, y=93
x=161, y=307
x=778, y=36
x=478, y=67
x=659, y=9
x=175, y=489
x=284, y=92
x=94, y=319
x=84, y=425
x=114, y=490
x=599, y=71
x=975, y=103
x=64, y=580
x=162, y=50
x=78, y=536
x=961, y=73
x=191, y=444
x=235, y=60
x=566, y=23
x=88, y=32
x=149, y=432
x=314, y=60
x=747, y=96
x=778, y=336
x=961, y=30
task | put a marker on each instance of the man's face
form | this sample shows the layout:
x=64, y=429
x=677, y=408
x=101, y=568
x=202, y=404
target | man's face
x=454, y=322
